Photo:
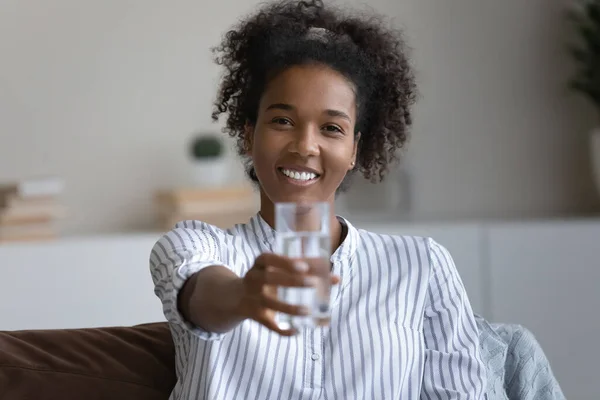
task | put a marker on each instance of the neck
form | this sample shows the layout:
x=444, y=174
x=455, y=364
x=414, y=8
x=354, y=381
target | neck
x=267, y=212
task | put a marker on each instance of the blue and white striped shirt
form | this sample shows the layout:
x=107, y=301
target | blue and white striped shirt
x=401, y=325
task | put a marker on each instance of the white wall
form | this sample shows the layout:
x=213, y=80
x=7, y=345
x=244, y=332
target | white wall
x=497, y=134
x=107, y=92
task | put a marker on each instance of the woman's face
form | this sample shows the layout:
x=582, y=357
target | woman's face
x=303, y=143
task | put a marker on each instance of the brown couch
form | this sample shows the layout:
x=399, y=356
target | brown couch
x=92, y=364
x=138, y=363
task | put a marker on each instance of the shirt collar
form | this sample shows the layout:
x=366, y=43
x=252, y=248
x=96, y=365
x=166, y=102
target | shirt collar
x=345, y=251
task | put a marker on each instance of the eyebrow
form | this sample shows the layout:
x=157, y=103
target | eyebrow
x=281, y=106
x=289, y=107
x=337, y=113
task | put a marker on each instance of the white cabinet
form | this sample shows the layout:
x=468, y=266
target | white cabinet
x=77, y=283
x=546, y=276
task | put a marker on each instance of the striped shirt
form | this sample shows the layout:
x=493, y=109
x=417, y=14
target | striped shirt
x=401, y=324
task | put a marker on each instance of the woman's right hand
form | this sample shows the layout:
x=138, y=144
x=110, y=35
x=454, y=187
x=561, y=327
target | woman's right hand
x=259, y=300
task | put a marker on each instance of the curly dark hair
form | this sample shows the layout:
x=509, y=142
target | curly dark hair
x=360, y=47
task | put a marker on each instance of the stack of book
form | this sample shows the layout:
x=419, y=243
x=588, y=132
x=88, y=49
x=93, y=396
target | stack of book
x=30, y=208
x=222, y=207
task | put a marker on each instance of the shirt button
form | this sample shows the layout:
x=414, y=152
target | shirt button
x=315, y=357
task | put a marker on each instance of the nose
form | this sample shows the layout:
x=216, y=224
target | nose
x=306, y=142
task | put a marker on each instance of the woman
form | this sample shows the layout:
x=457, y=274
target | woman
x=313, y=96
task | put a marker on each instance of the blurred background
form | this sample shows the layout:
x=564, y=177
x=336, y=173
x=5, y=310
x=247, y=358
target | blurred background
x=107, y=95
x=102, y=104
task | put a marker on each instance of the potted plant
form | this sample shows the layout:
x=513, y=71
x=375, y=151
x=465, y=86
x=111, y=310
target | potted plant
x=209, y=163
x=585, y=19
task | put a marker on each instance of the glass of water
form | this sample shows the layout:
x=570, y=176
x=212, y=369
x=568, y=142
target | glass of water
x=303, y=233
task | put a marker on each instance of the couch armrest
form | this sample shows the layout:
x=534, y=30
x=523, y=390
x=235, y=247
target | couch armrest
x=96, y=363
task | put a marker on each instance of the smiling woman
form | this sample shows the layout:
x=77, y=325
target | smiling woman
x=313, y=95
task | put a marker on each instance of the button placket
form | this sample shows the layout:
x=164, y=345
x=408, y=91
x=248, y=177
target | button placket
x=317, y=357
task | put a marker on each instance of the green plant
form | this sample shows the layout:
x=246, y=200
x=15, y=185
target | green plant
x=585, y=18
x=206, y=146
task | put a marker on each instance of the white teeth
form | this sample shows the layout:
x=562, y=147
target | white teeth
x=301, y=176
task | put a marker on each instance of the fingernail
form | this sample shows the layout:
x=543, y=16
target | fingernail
x=311, y=281
x=301, y=266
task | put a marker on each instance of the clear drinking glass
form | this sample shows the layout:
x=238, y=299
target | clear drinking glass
x=303, y=233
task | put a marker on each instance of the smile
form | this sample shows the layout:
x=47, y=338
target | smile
x=299, y=177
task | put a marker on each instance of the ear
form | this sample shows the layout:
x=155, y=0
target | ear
x=248, y=138
x=354, y=152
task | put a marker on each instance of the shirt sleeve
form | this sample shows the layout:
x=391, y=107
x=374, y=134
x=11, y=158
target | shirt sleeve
x=453, y=366
x=176, y=256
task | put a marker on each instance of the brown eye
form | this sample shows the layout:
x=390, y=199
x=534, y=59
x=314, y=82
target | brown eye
x=281, y=121
x=333, y=129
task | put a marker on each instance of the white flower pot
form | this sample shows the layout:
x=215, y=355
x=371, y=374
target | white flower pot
x=210, y=173
x=595, y=155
